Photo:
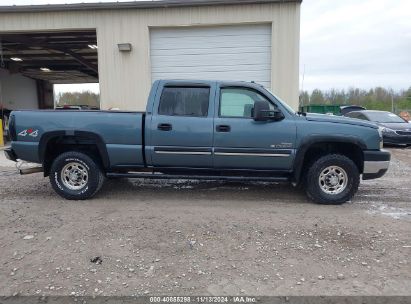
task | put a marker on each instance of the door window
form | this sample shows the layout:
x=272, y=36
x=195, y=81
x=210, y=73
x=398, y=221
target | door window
x=184, y=101
x=239, y=102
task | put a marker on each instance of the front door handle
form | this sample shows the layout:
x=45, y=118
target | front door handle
x=165, y=127
x=223, y=128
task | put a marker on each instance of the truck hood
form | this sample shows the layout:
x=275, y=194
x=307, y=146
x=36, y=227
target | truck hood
x=339, y=119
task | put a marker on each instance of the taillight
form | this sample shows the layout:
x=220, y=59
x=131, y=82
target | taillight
x=12, y=127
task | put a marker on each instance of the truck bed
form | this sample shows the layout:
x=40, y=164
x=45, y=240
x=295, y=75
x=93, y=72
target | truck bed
x=121, y=132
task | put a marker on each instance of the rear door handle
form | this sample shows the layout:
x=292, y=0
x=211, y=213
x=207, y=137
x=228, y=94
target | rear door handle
x=223, y=128
x=165, y=127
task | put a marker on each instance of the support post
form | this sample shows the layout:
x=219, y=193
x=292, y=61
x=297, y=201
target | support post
x=1, y=134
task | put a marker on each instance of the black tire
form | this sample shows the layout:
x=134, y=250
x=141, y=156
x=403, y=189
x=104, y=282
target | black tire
x=314, y=187
x=88, y=186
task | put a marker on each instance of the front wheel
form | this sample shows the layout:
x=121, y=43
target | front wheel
x=75, y=176
x=332, y=179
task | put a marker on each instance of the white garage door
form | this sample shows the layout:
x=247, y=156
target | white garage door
x=215, y=53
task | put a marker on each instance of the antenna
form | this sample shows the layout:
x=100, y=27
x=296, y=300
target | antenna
x=302, y=86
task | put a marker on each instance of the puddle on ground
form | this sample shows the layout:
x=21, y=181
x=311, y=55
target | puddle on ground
x=393, y=212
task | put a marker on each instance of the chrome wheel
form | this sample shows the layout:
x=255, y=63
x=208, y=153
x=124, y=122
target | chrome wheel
x=74, y=176
x=333, y=180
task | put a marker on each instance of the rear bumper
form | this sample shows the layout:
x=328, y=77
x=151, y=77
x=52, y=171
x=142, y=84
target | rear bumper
x=10, y=154
x=376, y=164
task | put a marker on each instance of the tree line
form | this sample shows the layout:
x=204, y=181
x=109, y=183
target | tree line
x=86, y=98
x=373, y=99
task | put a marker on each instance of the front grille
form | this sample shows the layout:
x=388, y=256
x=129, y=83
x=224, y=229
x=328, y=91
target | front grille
x=405, y=133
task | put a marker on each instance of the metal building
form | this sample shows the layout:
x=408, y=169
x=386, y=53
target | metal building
x=125, y=46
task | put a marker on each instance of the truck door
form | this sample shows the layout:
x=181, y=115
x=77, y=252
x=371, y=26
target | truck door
x=181, y=128
x=242, y=143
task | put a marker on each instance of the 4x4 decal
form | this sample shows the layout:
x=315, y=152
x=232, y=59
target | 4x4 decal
x=29, y=132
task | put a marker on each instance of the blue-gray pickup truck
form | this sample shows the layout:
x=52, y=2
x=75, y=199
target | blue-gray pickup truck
x=213, y=130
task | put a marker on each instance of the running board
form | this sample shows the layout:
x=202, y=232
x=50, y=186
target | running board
x=32, y=170
x=198, y=177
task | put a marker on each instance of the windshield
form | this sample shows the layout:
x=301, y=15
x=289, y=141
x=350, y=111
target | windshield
x=285, y=105
x=384, y=117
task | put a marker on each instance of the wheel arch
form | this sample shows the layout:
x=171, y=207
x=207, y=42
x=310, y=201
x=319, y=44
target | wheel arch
x=72, y=137
x=330, y=144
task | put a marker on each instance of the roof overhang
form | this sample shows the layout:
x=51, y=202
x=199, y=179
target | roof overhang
x=131, y=5
x=54, y=56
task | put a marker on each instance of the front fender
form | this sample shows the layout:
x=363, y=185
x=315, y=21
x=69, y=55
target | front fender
x=308, y=142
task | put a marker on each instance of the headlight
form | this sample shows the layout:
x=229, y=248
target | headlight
x=380, y=130
x=385, y=130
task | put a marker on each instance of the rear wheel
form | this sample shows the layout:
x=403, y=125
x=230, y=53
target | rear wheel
x=332, y=179
x=75, y=176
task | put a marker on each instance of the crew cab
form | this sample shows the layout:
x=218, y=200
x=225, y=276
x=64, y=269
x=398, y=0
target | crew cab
x=215, y=130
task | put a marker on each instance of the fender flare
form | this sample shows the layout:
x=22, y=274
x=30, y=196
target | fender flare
x=317, y=139
x=101, y=146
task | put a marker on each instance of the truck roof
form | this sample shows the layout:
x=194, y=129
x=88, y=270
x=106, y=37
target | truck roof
x=210, y=82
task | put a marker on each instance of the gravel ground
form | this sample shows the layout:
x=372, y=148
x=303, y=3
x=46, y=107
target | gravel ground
x=205, y=238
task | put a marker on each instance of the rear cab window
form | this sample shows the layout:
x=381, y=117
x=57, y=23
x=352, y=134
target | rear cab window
x=184, y=101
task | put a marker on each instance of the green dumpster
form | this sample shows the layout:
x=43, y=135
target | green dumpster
x=321, y=109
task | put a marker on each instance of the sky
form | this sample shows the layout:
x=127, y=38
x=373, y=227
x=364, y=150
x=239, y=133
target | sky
x=344, y=43
x=348, y=43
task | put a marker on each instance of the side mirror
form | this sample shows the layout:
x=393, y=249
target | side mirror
x=262, y=112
